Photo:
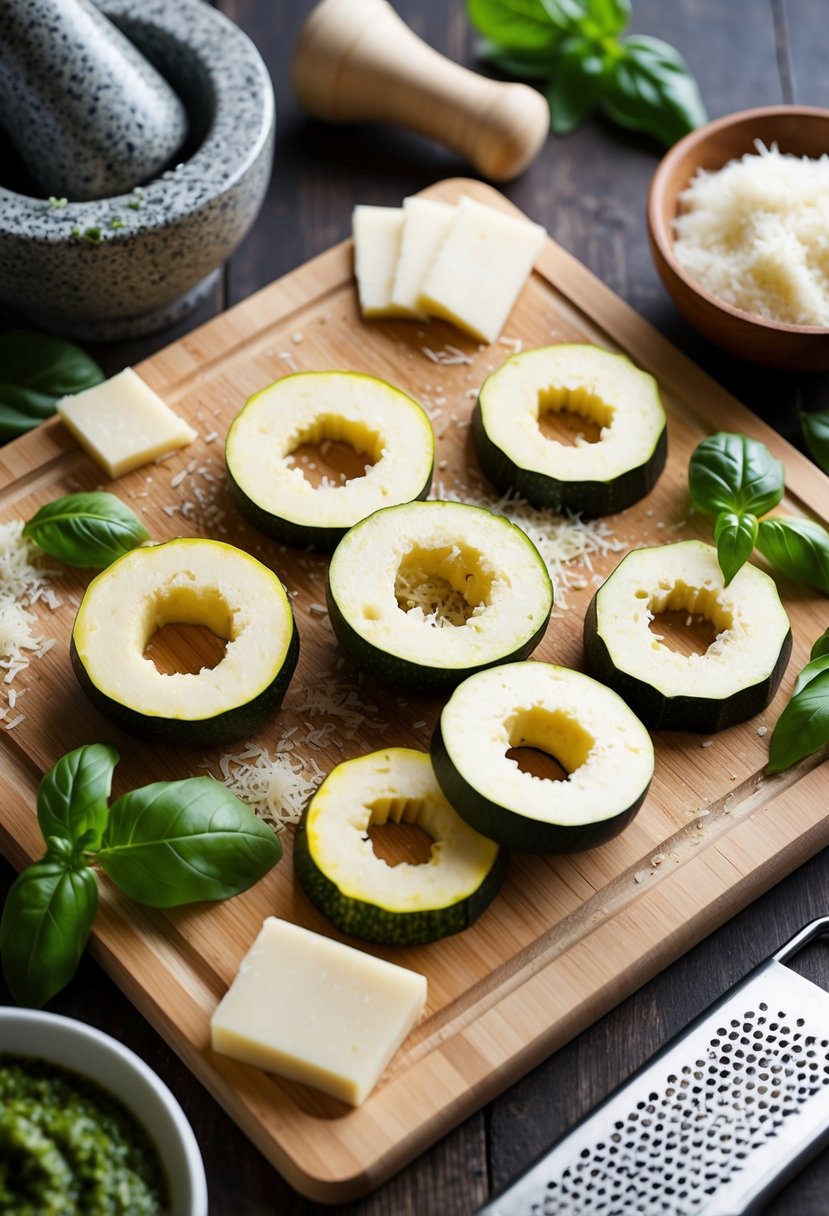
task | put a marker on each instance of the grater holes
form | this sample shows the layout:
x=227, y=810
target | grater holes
x=682, y=1142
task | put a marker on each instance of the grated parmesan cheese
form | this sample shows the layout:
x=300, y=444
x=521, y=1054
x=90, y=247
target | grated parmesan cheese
x=275, y=788
x=756, y=234
x=23, y=578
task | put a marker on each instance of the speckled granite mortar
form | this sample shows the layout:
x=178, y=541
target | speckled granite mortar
x=125, y=266
x=87, y=113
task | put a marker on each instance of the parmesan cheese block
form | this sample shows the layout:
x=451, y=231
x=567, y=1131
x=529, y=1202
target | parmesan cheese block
x=377, y=234
x=480, y=269
x=317, y=1011
x=123, y=424
x=426, y=224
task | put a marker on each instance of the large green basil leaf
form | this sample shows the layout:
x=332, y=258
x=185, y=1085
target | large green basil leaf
x=734, y=536
x=798, y=548
x=649, y=87
x=606, y=16
x=175, y=842
x=803, y=726
x=731, y=472
x=523, y=65
x=35, y=370
x=816, y=434
x=821, y=646
x=46, y=921
x=522, y=25
x=575, y=84
x=88, y=529
x=72, y=797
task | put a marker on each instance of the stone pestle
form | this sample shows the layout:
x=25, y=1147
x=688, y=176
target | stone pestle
x=87, y=113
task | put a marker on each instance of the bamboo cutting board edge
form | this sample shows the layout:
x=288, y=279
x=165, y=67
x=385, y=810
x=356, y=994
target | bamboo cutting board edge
x=471, y=1059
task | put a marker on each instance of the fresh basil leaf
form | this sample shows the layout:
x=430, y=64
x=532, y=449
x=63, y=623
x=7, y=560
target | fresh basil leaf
x=14, y=423
x=176, y=842
x=821, y=646
x=803, y=726
x=798, y=548
x=523, y=65
x=519, y=25
x=734, y=536
x=89, y=529
x=649, y=87
x=27, y=401
x=812, y=669
x=575, y=84
x=731, y=472
x=816, y=434
x=72, y=797
x=608, y=16
x=44, y=364
x=46, y=921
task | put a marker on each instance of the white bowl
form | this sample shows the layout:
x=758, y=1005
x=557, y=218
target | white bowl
x=90, y=1052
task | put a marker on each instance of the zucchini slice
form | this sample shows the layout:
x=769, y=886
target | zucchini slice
x=380, y=422
x=596, y=738
x=733, y=680
x=363, y=895
x=589, y=478
x=196, y=582
x=426, y=593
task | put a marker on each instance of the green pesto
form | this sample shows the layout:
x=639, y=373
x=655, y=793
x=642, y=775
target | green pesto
x=69, y=1148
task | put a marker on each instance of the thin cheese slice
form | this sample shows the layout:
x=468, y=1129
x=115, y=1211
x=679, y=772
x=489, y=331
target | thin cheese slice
x=377, y=235
x=317, y=1011
x=426, y=224
x=123, y=424
x=480, y=269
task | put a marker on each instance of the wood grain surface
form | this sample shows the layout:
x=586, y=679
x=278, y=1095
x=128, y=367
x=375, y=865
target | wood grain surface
x=589, y=190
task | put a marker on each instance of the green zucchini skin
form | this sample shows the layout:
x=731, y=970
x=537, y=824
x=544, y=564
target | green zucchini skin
x=586, y=498
x=660, y=712
x=299, y=536
x=234, y=723
x=404, y=673
x=516, y=831
x=372, y=923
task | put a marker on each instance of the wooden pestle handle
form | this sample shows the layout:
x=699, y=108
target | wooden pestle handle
x=355, y=60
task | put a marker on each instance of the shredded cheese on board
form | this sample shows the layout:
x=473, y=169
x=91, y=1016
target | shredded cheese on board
x=23, y=581
x=756, y=234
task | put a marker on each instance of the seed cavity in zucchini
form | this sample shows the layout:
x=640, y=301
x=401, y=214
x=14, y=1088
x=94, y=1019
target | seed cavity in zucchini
x=734, y=679
x=605, y=750
x=425, y=593
x=187, y=582
x=364, y=896
x=605, y=389
x=387, y=429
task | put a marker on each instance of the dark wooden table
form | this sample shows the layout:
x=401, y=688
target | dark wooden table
x=589, y=191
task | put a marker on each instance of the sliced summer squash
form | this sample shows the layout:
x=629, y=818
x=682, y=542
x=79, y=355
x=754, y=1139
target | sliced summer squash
x=380, y=422
x=733, y=680
x=426, y=593
x=604, y=748
x=586, y=478
x=195, y=582
x=358, y=891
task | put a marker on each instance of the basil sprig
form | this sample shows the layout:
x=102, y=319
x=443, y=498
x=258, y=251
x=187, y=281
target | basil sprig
x=803, y=726
x=639, y=82
x=170, y=843
x=87, y=529
x=737, y=479
x=35, y=371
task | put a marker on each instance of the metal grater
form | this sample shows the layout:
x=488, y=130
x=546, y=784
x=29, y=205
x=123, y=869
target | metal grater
x=713, y=1124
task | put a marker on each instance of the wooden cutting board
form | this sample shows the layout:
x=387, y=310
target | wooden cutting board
x=568, y=937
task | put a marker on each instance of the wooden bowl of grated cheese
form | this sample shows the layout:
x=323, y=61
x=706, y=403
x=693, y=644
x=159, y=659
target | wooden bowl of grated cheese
x=738, y=220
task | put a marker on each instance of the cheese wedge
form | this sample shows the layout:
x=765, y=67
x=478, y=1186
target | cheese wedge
x=425, y=227
x=377, y=234
x=317, y=1011
x=123, y=424
x=480, y=269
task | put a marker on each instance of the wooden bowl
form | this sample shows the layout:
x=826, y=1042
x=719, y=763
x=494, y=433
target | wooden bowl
x=801, y=130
